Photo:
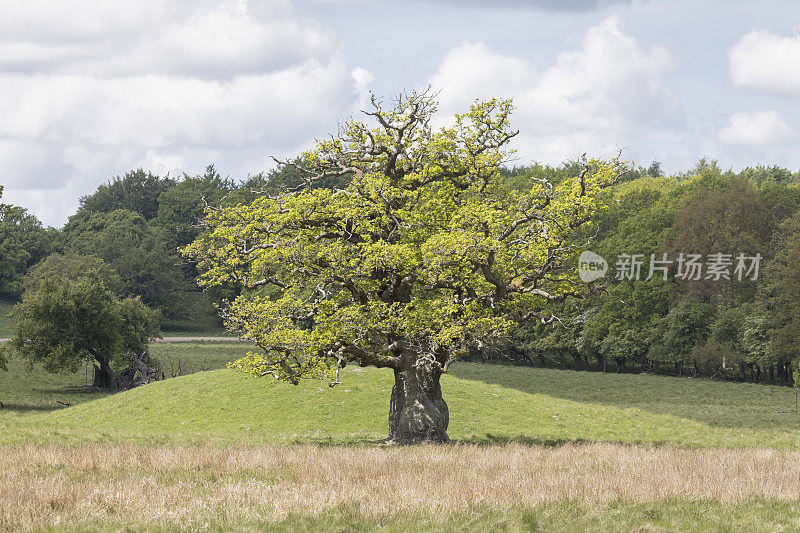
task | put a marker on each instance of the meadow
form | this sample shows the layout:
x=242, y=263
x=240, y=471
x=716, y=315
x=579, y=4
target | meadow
x=573, y=487
x=534, y=449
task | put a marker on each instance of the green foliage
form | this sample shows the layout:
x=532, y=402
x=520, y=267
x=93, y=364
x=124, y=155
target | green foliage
x=724, y=348
x=202, y=319
x=762, y=175
x=556, y=341
x=72, y=267
x=796, y=375
x=756, y=341
x=520, y=178
x=781, y=287
x=136, y=191
x=622, y=327
x=675, y=336
x=639, y=219
x=735, y=218
x=705, y=211
x=181, y=208
x=140, y=254
x=425, y=251
x=23, y=242
x=5, y=321
x=62, y=322
x=288, y=176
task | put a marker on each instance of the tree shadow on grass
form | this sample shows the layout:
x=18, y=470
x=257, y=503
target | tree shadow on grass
x=24, y=408
x=47, y=399
x=489, y=439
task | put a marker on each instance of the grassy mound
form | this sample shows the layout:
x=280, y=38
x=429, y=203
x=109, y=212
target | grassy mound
x=487, y=404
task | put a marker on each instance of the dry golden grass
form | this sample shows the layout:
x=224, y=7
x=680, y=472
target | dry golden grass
x=183, y=487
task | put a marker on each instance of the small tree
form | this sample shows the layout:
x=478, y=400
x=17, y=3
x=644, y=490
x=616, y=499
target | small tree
x=757, y=345
x=425, y=252
x=675, y=336
x=61, y=323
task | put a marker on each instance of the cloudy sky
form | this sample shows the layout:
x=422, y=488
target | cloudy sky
x=91, y=89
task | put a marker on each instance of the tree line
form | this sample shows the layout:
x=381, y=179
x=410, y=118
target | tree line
x=121, y=248
x=719, y=324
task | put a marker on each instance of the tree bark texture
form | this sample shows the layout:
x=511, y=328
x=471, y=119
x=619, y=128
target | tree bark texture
x=103, y=374
x=417, y=411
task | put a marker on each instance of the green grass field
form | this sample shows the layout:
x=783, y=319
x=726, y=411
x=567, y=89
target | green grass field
x=488, y=403
x=673, y=515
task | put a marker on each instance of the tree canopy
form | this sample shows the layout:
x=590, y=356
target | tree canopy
x=23, y=243
x=139, y=252
x=137, y=191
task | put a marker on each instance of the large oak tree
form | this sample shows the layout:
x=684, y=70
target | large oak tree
x=425, y=253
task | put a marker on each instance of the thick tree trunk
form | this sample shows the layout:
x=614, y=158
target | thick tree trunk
x=417, y=412
x=103, y=375
x=137, y=373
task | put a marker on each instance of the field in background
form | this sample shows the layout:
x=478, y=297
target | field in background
x=25, y=391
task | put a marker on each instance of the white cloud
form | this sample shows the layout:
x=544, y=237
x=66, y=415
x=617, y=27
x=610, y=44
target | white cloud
x=90, y=90
x=607, y=93
x=362, y=78
x=542, y=5
x=198, y=39
x=766, y=62
x=471, y=70
x=760, y=128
